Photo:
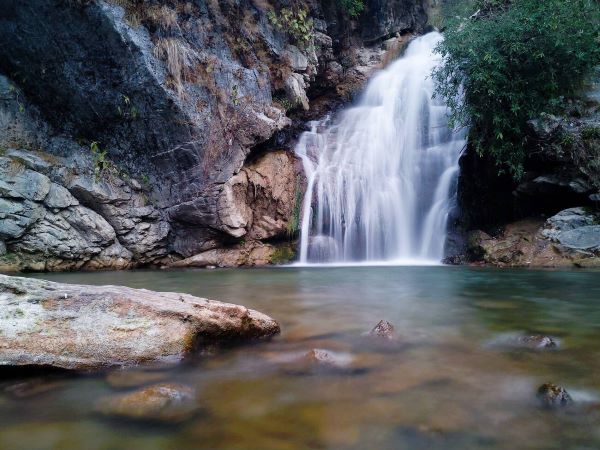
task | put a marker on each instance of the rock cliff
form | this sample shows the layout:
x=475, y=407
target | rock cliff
x=511, y=223
x=150, y=132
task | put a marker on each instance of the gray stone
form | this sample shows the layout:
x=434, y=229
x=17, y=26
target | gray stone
x=16, y=217
x=569, y=220
x=298, y=60
x=583, y=238
x=79, y=327
x=2, y=248
x=59, y=197
x=114, y=256
x=295, y=90
x=546, y=126
x=74, y=233
x=20, y=182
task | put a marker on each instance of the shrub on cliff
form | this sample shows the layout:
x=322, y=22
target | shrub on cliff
x=512, y=60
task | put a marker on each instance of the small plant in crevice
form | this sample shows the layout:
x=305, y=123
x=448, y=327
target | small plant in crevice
x=353, y=7
x=14, y=92
x=285, y=103
x=295, y=23
x=145, y=179
x=293, y=225
x=235, y=96
x=99, y=159
x=102, y=164
x=127, y=110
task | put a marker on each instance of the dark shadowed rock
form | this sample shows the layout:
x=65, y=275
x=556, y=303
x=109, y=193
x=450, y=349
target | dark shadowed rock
x=552, y=396
x=163, y=402
x=323, y=358
x=90, y=327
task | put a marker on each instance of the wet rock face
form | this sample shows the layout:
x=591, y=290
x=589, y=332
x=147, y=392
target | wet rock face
x=553, y=396
x=88, y=328
x=183, y=110
x=164, y=402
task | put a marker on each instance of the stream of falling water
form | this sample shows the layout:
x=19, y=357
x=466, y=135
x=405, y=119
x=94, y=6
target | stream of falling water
x=382, y=174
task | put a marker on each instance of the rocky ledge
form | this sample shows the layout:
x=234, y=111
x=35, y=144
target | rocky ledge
x=76, y=327
x=570, y=238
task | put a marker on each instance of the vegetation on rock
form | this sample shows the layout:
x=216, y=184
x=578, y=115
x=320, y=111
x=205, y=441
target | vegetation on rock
x=509, y=62
x=353, y=7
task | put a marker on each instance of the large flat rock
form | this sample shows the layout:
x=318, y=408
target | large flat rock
x=91, y=327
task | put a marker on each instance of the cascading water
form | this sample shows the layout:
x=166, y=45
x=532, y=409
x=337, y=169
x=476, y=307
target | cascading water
x=381, y=175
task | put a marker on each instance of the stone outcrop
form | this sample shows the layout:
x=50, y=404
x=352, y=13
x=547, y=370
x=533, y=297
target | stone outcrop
x=93, y=327
x=158, y=121
x=569, y=238
x=561, y=173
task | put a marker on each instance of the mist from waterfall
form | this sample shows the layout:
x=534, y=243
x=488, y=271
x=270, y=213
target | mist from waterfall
x=382, y=174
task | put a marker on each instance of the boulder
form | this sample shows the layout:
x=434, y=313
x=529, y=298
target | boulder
x=80, y=327
x=552, y=396
x=164, y=402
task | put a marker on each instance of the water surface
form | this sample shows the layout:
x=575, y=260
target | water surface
x=446, y=384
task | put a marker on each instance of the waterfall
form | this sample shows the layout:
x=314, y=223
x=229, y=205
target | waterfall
x=382, y=173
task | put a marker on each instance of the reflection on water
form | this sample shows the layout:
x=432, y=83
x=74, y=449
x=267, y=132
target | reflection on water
x=442, y=386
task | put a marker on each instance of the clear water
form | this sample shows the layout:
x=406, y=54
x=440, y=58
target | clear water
x=445, y=386
x=381, y=175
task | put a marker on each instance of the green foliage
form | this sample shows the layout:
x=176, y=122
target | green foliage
x=127, y=110
x=102, y=164
x=511, y=61
x=353, y=7
x=13, y=91
x=235, y=96
x=285, y=103
x=282, y=255
x=294, y=22
x=293, y=225
x=590, y=132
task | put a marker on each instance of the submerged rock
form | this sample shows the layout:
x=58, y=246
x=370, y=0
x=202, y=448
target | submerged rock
x=520, y=341
x=316, y=360
x=383, y=330
x=90, y=327
x=537, y=342
x=323, y=358
x=163, y=402
x=552, y=396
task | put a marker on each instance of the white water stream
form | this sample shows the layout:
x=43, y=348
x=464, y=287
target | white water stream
x=382, y=174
